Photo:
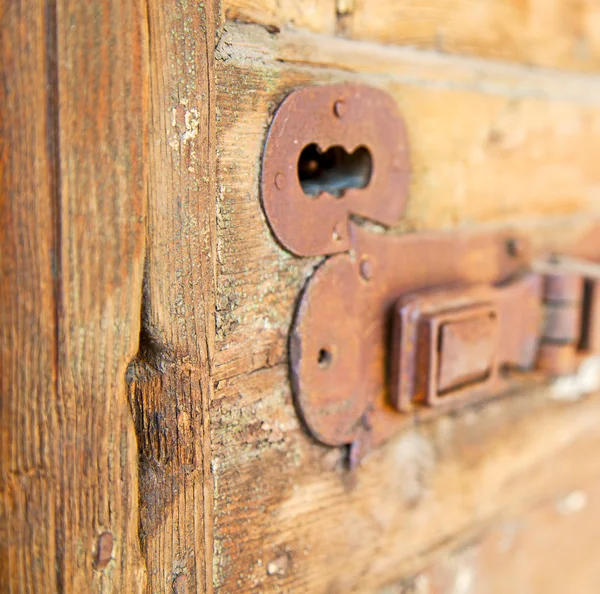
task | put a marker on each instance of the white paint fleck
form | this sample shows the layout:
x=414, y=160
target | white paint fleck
x=585, y=381
x=465, y=576
x=415, y=459
x=192, y=124
x=278, y=566
x=572, y=503
x=422, y=585
x=508, y=537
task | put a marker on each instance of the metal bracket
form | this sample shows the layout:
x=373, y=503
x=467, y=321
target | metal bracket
x=390, y=326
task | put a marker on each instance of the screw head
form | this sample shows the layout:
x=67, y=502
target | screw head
x=280, y=181
x=340, y=108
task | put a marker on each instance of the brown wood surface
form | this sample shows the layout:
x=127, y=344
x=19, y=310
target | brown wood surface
x=548, y=548
x=29, y=454
x=145, y=305
x=312, y=15
x=74, y=90
x=170, y=387
x=290, y=519
x=549, y=33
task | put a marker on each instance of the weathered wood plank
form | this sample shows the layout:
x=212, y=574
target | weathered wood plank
x=556, y=34
x=290, y=518
x=28, y=366
x=170, y=383
x=549, y=548
x=101, y=204
x=73, y=200
x=558, y=538
x=313, y=15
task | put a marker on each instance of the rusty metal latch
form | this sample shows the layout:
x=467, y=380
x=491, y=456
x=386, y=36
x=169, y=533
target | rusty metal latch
x=571, y=305
x=453, y=344
x=390, y=327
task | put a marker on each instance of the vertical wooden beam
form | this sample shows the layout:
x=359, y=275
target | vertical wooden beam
x=170, y=384
x=102, y=104
x=28, y=346
x=73, y=197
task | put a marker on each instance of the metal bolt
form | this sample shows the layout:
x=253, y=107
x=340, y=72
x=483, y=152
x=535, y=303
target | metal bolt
x=280, y=181
x=104, y=549
x=366, y=269
x=339, y=108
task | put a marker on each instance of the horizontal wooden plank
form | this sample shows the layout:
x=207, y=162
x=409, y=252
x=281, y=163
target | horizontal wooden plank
x=289, y=517
x=549, y=548
x=556, y=34
x=313, y=15
x=490, y=145
x=558, y=540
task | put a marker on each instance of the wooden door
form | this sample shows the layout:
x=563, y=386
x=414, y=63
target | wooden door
x=149, y=440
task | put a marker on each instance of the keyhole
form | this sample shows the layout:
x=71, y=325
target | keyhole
x=333, y=171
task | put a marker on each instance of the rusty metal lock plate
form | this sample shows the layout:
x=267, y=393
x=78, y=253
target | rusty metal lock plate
x=389, y=327
x=310, y=179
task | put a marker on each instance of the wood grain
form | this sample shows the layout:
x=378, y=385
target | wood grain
x=551, y=33
x=548, y=548
x=109, y=249
x=291, y=518
x=29, y=484
x=170, y=385
x=73, y=203
x=491, y=145
x=561, y=34
x=560, y=533
x=312, y=15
